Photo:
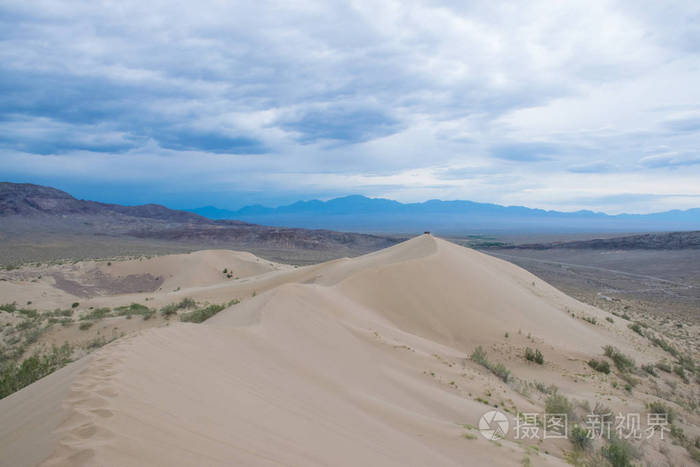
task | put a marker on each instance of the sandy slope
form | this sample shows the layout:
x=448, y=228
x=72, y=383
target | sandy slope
x=352, y=362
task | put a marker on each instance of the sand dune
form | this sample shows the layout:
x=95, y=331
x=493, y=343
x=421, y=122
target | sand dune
x=353, y=362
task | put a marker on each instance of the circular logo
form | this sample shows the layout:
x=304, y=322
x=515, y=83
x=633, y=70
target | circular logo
x=493, y=425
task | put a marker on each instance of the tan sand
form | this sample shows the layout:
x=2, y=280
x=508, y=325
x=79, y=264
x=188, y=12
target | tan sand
x=352, y=362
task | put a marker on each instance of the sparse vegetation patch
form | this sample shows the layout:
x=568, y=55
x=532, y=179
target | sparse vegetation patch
x=622, y=361
x=479, y=356
x=14, y=377
x=599, y=365
x=202, y=314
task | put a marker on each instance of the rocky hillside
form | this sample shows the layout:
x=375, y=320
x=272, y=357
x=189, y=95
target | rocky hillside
x=650, y=241
x=26, y=199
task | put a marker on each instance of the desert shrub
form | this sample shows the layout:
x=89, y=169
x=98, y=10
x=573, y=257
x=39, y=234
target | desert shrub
x=599, y=365
x=649, y=368
x=618, y=452
x=680, y=371
x=29, y=313
x=75, y=305
x=133, y=309
x=629, y=380
x=529, y=354
x=604, y=412
x=559, y=404
x=580, y=437
x=609, y=319
x=9, y=307
x=636, y=327
x=148, y=314
x=590, y=319
x=84, y=326
x=622, y=361
x=534, y=355
x=202, y=314
x=14, y=377
x=687, y=362
x=479, y=356
x=661, y=409
x=96, y=343
x=539, y=358
x=59, y=312
x=678, y=433
x=545, y=389
x=97, y=313
x=694, y=453
x=26, y=324
x=501, y=372
x=663, y=366
x=661, y=342
x=31, y=336
x=173, y=308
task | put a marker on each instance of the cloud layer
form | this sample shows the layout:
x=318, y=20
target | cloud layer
x=547, y=104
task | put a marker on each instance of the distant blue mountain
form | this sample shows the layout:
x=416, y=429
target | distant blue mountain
x=362, y=214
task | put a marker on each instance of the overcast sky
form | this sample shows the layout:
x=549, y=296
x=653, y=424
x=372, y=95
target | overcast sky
x=549, y=104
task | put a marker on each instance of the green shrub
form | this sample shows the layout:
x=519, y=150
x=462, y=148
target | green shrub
x=85, y=325
x=529, y=354
x=629, y=380
x=687, y=362
x=29, y=313
x=661, y=342
x=609, y=319
x=599, y=365
x=622, y=361
x=134, y=309
x=680, y=371
x=75, y=305
x=534, y=355
x=580, y=437
x=26, y=324
x=649, y=368
x=539, y=358
x=636, y=327
x=173, y=308
x=590, y=319
x=661, y=409
x=545, y=389
x=501, y=372
x=58, y=312
x=618, y=452
x=203, y=314
x=97, y=313
x=9, y=307
x=559, y=404
x=14, y=377
x=479, y=356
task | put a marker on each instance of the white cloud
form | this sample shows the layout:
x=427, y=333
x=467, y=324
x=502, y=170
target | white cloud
x=538, y=103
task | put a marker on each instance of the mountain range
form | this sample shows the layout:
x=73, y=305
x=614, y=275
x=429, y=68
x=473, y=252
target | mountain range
x=27, y=209
x=362, y=214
